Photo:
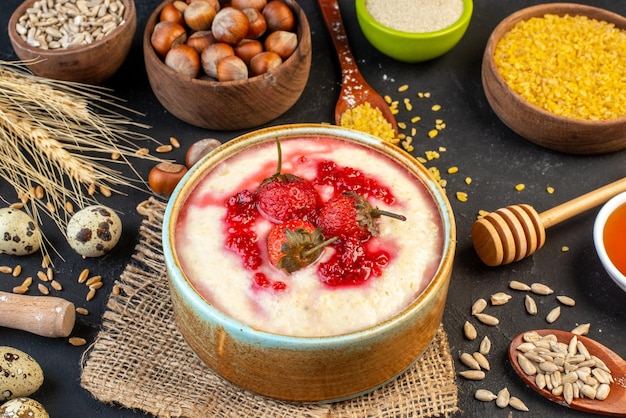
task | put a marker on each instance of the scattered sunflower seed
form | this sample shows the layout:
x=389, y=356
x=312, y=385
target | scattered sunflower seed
x=469, y=361
x=517, y=403
x=566, y=300
x=503, y=398
x=541, y=289
x=473, y=374
x=484, y=395
x=531, y=305
x=487, y=319
x=485, y=346
x=553, y=315
x=517, y=285
x=469, y=330
x=582, y=329
x=500, y=298
x=479, y=306
x=481, y=360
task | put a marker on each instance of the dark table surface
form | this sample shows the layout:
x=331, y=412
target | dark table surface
x=476, y=142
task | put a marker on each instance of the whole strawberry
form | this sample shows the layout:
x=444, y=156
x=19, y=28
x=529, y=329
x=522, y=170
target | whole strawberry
x=351, y=215
x=295, y=244
x=282, y=197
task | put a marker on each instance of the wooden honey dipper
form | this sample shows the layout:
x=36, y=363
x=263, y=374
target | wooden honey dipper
x=515, y=232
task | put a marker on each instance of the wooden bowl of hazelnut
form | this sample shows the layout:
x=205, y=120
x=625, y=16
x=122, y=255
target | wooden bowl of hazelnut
x=86, y=43
x=227, y=68
x=553, y=74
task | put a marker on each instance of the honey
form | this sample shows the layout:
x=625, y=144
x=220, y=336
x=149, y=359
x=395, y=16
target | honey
x=614, y=237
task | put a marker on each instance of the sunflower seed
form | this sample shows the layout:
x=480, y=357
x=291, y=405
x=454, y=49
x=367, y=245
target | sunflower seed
x=603, y=391
x=566, y=300
x=526, y=365
x=484, y=395
x=531, y=336
x=541, y=289
x=588, y=392
x=470, y=361
x=479, y=306
x=500, y=298
x=516, y=285
x=553, y=315
x=481, y=360
x=473, y=374
x=469, y=330
x=540, y=380
x=568, y=392
x=485, y=346
x=503, y=398
x=518, y=404
x=487, y=319
x=548, y=366
x=557, y=391
x=531, y=305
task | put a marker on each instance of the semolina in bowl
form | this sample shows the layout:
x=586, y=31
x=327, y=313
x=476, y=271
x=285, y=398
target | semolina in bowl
x=555, y=74
x=335, y=328
x=416, y=30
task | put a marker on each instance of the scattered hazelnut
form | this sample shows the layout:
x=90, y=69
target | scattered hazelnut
x=164, y=177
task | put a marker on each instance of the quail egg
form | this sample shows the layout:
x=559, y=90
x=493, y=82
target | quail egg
x=19, y=233
x=94, y=231
x=21, y=374
x=23, y=408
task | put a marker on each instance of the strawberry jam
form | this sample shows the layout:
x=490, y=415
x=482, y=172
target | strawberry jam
x=352, y=262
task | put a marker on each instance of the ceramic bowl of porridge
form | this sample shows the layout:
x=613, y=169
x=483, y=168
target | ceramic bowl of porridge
x=355, y=311
x=414, y=30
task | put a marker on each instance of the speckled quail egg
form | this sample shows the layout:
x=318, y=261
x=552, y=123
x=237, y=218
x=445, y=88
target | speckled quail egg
x=94, y=231
x=23, y=408
x=19, y=233
x=21, y=374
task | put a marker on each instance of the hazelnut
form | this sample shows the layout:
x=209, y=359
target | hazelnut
x=282, y=42
x=184, y=60
x=230, y=25
x=231, y=68
x=214, y=54
x=278, y=16
x=263, y=62
x=164, y=177
x=199, y=15
x=165, y=35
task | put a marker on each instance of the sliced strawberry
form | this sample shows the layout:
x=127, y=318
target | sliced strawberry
x=295, y=244
x=282, y=197
x=350, y=215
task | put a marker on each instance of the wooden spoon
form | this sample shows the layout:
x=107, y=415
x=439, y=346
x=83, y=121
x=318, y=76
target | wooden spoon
x=47, y=316
x=614, y=404
x=354, y=88
x=512, y=233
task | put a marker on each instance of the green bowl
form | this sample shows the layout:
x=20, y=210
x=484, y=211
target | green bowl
x=412, y=46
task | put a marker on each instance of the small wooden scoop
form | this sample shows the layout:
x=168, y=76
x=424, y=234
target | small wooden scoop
x=614, y=404
x=512, y=233
x=354, y=88
x=47, y=316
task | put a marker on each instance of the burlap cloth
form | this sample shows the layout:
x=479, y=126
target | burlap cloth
x=140, y=360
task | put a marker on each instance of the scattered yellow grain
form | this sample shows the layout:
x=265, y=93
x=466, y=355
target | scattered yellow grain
x=387, y=99
x=17, y=270
x=520, y=187
x=403, y=88
x=435, y=108
x=565, y=248
x=401, y=135
x=433, y=133
x=443, y=149
x=115, y=155
x=27, y=281
x=17, y=205
x=142, y=151
x=56, y=285
x=20, y=290
x=407, y=105
x=94, y=280
x=461, y=196
x=82, y=277
x=42, y=276
x=468, y=180
x=77, y=341
x=43, y=289
x=413, y=131
x=82, y=311
x=174, y=141
x=415, y=119
x=432, y=155
x=434, y=171
x=45, y=261
x=106, y=192
x=69, y=207
x=550, y=190
x=39, y=192
x=453, y=170
x=401, y=125
x=422, y=160
x=572, y=66
x=482, y=213
x=366, y=118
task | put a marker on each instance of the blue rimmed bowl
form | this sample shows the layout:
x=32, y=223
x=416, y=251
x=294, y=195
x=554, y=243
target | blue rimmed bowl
x=307, y=369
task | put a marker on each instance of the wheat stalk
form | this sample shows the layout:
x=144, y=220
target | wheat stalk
x=57, y=139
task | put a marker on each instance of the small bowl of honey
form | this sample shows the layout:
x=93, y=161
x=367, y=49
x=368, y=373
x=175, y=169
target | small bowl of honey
x=609, y=237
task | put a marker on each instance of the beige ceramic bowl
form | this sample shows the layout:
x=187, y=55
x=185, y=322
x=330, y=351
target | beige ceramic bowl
x=93, y=63
x=544, y=128
x=307, y=369
x=231, y=105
